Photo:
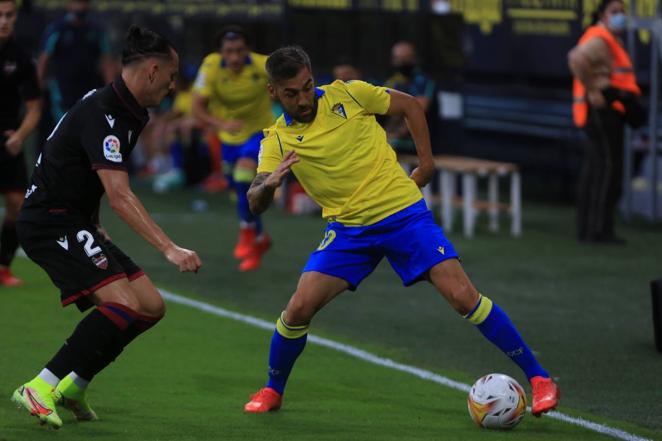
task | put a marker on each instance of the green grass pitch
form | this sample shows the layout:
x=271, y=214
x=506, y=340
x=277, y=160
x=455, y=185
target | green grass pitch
x=584, y=310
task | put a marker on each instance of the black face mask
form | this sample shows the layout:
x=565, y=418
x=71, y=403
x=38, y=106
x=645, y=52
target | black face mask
x=406, y=69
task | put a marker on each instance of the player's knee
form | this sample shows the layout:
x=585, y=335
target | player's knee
x=243, y=175
x=462, y=297
x=155, y=308
x=299, y=312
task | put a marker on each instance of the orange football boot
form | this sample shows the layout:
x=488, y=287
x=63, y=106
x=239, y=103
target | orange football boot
x=546, y=395
x=7, y=278
x=245, y=244
x=264, y=400
x=254, y=259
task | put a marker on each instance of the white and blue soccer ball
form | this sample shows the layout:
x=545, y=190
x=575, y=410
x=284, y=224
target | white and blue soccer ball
x=496, y=401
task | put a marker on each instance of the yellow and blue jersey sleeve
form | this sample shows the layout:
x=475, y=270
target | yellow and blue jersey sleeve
x=204, y=80
x=271, y=152
x=373, y=99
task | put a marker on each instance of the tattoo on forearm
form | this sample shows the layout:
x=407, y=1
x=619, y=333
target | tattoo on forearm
x=259, y=196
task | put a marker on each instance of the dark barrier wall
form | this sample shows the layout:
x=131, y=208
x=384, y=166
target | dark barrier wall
x=503, y=37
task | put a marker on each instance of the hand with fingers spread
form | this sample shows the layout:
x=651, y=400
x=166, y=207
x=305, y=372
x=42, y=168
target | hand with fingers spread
x=186, y=260
x=274, y=180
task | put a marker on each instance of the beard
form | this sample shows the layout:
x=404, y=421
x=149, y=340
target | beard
x=306, y=117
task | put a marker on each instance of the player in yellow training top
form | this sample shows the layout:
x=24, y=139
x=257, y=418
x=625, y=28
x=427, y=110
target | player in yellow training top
x=329, y=138
x=230, y=94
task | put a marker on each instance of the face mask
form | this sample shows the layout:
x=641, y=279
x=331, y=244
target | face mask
x=617, y=22
x=406, y=69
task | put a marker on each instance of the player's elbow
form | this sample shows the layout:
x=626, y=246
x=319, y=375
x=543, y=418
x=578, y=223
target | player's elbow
x=413, y=107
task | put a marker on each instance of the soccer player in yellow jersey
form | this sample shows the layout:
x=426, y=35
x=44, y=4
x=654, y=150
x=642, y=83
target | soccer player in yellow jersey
x=230, y=94
x=329, y=138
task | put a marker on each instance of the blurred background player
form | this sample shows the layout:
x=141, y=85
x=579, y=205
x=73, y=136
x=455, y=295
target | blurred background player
x=178, y=134
x=602, y=70
x=346, y=71
x=75, y=58
x=408, y=78
x=87, y=155
x=18, y=84
x=230, y=93
x=329, y=138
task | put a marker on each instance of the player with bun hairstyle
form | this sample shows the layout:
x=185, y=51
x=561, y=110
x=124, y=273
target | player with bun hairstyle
x=86, y=156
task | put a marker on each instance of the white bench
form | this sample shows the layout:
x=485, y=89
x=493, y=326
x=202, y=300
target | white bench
x=471, y=170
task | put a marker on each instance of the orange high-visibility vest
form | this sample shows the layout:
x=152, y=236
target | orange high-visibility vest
x=622, y=74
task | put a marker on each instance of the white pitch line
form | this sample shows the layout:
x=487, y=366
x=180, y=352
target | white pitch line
x=386, y=362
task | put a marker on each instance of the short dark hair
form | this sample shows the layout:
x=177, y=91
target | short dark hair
x=286, y=62
x=141, y=43
x=602, y=6
x=231, y=33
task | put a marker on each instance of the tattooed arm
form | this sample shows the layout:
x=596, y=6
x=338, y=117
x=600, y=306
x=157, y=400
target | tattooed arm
x=264, y=185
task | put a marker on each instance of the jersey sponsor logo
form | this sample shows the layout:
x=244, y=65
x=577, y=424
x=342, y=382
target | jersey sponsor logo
x=300, y=138
x=9, y=67
x=30, y=191
x=329, y=236
x=100, y=261
x=111, y=120
x=111, y=148
x=339, y=110
x=442, y=250
x=63, y=242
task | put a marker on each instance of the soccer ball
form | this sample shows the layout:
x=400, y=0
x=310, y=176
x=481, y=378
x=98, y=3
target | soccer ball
x=496, y=401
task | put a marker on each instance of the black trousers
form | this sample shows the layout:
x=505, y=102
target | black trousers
x=601, y=179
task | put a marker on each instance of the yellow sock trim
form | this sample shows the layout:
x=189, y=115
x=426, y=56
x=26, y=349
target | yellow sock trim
x=481, y=313
x=288, y=331
x=243, y=175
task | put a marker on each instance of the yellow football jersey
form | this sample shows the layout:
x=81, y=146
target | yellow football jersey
x=242, y=96
x=345, y=164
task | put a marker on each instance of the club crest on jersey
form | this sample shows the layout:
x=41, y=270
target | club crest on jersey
x=100, y=261
x=339, y=110
x=111, y=148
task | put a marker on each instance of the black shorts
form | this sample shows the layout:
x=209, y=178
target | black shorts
x=13, y=173
x=77, y=259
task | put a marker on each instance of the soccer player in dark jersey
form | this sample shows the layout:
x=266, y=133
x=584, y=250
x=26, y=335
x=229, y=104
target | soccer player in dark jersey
x=86, y=155
x=18, y=84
